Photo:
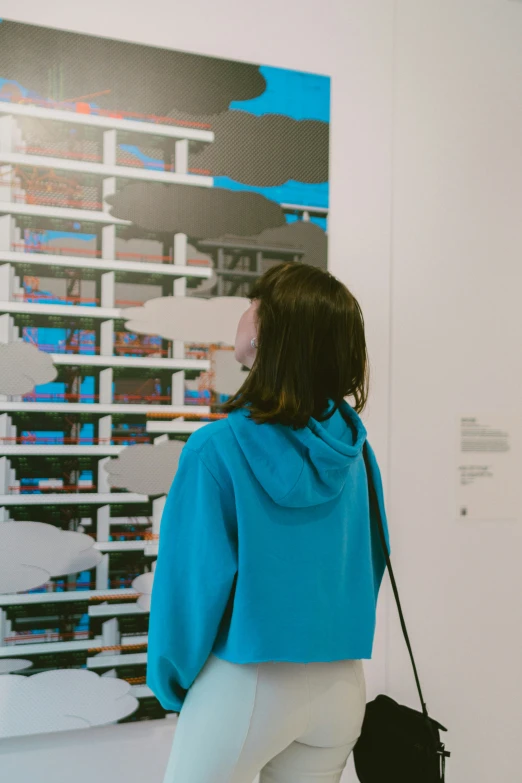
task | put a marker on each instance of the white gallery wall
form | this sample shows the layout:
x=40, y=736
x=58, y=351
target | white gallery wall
x=425, y=227
x=456, y=259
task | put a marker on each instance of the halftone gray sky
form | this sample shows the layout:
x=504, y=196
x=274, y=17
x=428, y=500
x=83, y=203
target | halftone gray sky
x=265, y=151
x=127, y=76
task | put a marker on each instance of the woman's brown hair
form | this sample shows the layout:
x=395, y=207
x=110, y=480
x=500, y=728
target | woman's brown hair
x=311, y=348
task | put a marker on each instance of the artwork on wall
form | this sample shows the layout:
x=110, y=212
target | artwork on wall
x=142, y=192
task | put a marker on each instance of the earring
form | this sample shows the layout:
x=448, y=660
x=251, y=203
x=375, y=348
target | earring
x=253, y=342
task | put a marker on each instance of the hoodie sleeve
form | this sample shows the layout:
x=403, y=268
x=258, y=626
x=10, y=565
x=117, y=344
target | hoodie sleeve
x=193, y=578
x=378, y=558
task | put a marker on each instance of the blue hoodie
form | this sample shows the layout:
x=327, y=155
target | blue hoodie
x=266, y=552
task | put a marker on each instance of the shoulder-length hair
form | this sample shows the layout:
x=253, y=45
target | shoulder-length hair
x=311, y=348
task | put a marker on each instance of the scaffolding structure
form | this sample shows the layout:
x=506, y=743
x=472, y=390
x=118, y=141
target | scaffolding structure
x=54, y=445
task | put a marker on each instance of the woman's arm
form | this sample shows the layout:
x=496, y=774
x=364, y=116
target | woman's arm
x=195, y=571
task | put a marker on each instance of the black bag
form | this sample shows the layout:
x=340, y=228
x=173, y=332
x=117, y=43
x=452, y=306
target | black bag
x=397, y=744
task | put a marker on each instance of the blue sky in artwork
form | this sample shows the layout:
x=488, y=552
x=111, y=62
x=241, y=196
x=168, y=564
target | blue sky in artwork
x=290, y=192
x=303, y=96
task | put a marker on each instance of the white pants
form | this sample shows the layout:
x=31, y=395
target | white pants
x=290, y=722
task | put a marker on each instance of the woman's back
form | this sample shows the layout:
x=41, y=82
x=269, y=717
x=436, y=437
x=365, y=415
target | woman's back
x=273, y=556
x=269, y=565
x=308, y=573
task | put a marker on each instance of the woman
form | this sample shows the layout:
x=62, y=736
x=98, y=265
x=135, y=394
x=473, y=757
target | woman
x=266, y=583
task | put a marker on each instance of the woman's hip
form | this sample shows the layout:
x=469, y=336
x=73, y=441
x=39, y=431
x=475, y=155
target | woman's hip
x=323, y=702
x=237, y=718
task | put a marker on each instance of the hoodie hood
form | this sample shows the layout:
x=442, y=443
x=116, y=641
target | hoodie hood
x=305, y=467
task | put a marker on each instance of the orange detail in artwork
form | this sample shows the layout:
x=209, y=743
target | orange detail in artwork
x=83, y=108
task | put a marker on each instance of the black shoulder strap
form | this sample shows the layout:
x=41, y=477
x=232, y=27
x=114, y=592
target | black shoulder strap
x=375, y=503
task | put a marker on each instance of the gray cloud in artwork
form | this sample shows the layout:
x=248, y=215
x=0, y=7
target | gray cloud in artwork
x=144, y=468
x=33, y=552
x=303, y=235
x=228, y=373
x=205, y=286
x=204, y=213
x=193, y=254
x=265, y=151
x=23, y=366
x=121, y=76
x=189, y=319
x=196, y=211
x=62, y=700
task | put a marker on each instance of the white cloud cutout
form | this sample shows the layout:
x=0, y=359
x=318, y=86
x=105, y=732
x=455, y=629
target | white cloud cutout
x=61, y=700
x=143, y=584
x=22, y=367
x=9, y=665
x=144, y=468
x=33, y=552
x=188, y=318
